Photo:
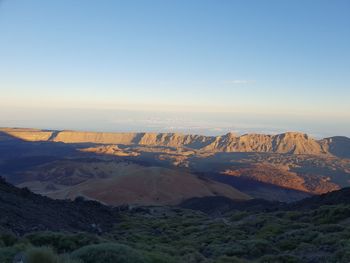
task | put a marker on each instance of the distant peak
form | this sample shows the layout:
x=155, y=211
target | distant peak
x=231, y=135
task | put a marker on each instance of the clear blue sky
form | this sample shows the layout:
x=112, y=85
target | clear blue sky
x=204, y=65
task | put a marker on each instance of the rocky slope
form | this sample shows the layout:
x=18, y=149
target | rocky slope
x=290, y=142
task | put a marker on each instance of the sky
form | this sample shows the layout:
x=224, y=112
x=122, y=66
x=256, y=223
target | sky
x=194, y=66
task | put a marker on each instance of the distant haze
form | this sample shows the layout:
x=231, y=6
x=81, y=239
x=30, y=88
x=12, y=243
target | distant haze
x=204, y=123
x=194, y=66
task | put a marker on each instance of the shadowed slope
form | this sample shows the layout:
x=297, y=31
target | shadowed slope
x=23, y=211
x=338, y=146
x=219, y=205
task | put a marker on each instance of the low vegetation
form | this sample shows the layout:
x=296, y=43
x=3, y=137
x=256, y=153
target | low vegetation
x=163, y=234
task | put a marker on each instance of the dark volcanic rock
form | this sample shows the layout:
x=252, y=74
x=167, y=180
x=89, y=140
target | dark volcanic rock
x=23, y=211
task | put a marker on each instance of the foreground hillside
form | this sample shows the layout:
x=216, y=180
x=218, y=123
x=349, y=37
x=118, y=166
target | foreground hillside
x=23, y=211
x=208, y=230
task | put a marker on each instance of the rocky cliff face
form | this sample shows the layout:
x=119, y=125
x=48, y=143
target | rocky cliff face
x=290, y=142
x=31, y=135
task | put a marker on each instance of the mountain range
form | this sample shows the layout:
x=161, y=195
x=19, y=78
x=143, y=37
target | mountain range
x=289, y=142
x=166, y=169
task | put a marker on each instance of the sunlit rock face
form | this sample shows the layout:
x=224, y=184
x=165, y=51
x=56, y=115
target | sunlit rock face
x=289, y=142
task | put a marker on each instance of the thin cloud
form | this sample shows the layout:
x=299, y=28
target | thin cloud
x=238, y=81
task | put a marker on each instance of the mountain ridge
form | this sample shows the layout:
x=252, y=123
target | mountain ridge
x=286, y=143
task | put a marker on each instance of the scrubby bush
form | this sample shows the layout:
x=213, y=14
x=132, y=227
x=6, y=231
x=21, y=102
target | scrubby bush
x=270, y=230
x=156, y=257
x=238, y=215
x=184, y=237
x=330, y=214
x=258, y=247
x=330, y=228
x=62, y=242
x=329, y=240
x=280, y=259
x=7, y=240
x=108, y=253
x=193, y=257
x=68, y=259
x=304, y=248
x=8, y=253
x=46, y=255
x=293, y=215
x=342, y=255
x=41, y=255
x=291, y=239
x=288, y=244
x=235, y=250
x=226, y=259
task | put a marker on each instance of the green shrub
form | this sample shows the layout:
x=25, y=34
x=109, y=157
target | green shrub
x=258, y=247
x=293, y=215
x=342, y=255
x=41, y=255
x=330, y=228
x=7, y=240
x=8, y=253
x=291, y=239
x=226, y=259
x=108, y=253
x=235, y=250
x=330, y=214
x=46, y=255
x=270, y=230
x=329, y=240
x=67, y=259
x=280, y=259
x=193, y=257
x=62, y=242
x=304, y=248
x=236, y=216
x=288, y=244
x=156, y=257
